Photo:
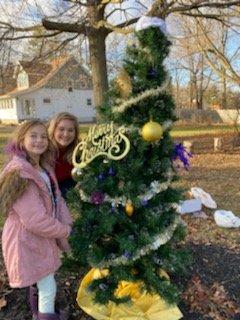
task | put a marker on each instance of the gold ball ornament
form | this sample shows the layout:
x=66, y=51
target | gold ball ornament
x=129, y=209
x=76, y=173
x=152, y=131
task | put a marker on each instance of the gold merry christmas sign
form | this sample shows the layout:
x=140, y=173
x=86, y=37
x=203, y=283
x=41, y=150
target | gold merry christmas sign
x=101, y=140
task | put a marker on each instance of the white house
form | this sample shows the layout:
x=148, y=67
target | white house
x=41, y=90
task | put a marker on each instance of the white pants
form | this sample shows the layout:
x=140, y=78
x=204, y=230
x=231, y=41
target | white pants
x=47, y=290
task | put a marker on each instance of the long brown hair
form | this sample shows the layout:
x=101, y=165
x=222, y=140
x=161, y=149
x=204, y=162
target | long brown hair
x=19, y=134
x=52, y=125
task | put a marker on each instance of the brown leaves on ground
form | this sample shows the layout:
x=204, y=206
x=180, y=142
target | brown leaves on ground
x=209, y=301
x=219, y=175
x=206, y=232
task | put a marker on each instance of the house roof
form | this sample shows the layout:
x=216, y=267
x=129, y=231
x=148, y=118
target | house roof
x=7, y=80
x=38, y=73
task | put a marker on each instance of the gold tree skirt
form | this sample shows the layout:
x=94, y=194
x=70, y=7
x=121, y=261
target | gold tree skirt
x=143, y=306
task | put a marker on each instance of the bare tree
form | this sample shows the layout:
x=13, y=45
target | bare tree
x=186, y=57
x=95, y=19
x=214, y=47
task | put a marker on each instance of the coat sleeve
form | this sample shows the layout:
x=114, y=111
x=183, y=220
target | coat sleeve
x=64, y=213
x=33, y=216
x=65, y=217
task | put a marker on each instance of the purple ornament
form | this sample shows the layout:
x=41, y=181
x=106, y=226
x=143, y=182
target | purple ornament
x=97, y=197
x=144, y=202
x=127, y=254
x=101, y=177
x=152, y=73
x=180, y=153
x=111, y=172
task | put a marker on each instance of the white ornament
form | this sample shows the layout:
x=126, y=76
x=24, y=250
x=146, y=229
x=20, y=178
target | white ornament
x=146, y=22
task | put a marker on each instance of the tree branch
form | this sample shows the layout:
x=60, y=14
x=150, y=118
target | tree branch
x=203, y=4
x=9, y=26
x=44, y=36
x=65, y=27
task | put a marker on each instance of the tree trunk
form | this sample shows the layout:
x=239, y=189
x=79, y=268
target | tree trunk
x=97, y=50
x=200, y=87
x=191, y=91
x=224, y=90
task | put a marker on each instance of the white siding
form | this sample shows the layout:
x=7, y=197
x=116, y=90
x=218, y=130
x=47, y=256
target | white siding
x=8, y=110
x=57, y=100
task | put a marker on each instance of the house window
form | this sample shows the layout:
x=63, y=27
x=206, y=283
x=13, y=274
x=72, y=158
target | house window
x=9, y=104
x=83, y=84
x=83, y=81
x=89, y=102
x=27, y=107
x=46, y=100
x=22, y=80
x=70, y=86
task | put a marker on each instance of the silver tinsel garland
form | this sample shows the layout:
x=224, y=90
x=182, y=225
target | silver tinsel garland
x=158, y=241
x=155, y=188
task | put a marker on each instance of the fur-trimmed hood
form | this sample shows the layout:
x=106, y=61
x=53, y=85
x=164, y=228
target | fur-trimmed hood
x=25, y=170
x=15, y=178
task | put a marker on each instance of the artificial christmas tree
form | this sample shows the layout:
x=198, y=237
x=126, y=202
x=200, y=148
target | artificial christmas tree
x=128, y=228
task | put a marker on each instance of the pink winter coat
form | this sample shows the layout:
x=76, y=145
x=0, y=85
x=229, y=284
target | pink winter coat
x=32, y=235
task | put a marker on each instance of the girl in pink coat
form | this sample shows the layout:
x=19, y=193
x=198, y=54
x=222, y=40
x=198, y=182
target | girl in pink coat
x=38, y=222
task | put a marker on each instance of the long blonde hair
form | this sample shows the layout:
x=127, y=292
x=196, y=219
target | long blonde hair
x=17, y=145
x=52, y=125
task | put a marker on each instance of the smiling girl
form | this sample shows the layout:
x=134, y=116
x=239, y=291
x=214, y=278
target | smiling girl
x=63, y=130
x=38, y=221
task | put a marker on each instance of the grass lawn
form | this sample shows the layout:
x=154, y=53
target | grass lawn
x=178, y=131
x=183, y=131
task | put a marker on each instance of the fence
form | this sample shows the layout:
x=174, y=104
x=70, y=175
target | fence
x=209, y=116
x=210, y=144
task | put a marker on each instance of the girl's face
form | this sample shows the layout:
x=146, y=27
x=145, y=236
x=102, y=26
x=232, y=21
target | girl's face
x=36, y=141
x=64, y=133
